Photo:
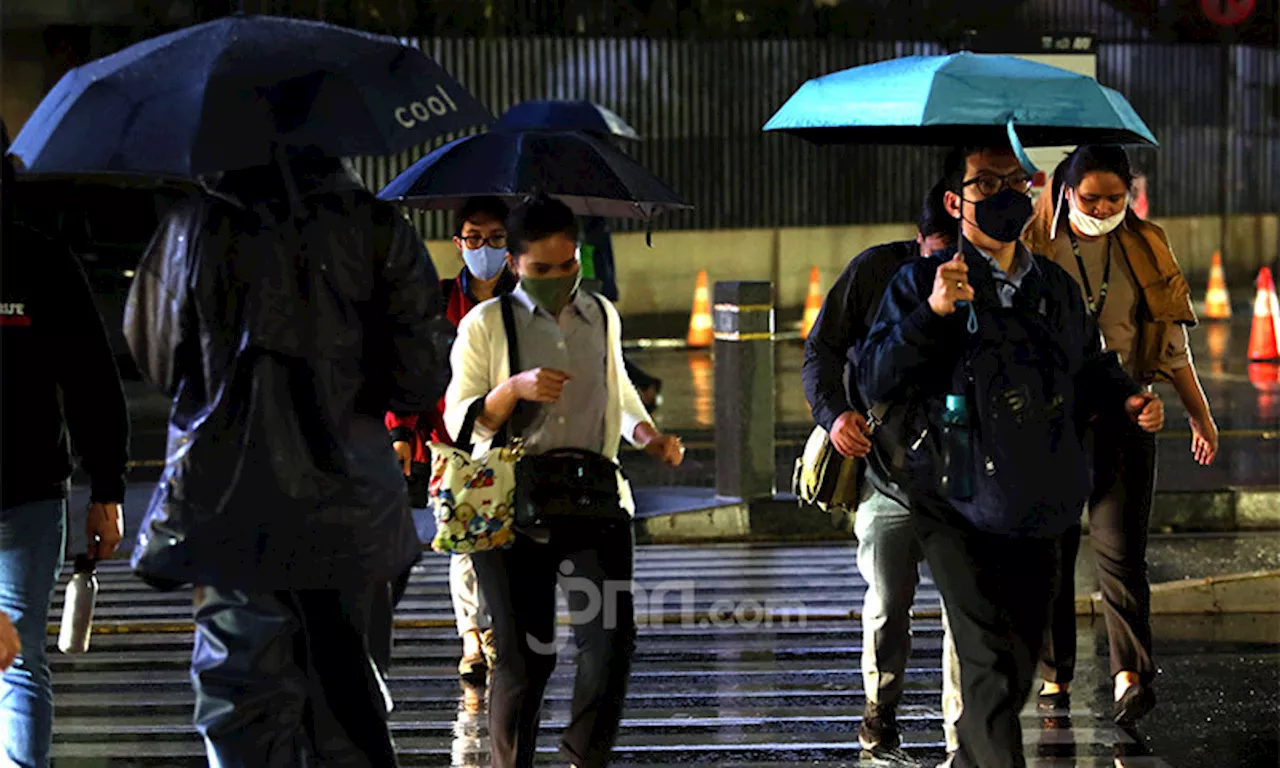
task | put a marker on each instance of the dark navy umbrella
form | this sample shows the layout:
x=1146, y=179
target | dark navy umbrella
x=563, y=115
x=590, y=175
x=232, y=93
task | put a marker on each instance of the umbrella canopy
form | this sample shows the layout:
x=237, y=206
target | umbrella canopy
x=231, y=93
x=964, y=98
x=590, y=175
x=558, y=115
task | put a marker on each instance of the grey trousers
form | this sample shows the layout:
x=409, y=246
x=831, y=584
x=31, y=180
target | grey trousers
x=889, y=556
x=470, y=612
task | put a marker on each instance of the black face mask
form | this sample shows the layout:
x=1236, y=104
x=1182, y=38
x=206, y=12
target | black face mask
x=1003, y=216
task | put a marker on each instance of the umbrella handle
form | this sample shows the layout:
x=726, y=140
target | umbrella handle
x=1023, y=158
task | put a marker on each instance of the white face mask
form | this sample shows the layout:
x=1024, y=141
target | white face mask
x=1093, y=227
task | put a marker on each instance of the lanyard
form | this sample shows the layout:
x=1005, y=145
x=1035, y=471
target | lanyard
x=1095, y=304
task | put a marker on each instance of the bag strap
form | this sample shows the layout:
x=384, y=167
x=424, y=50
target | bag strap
x=469, y=424
x=509, y=325
x=876, y=414
x=604, y=314
x=507, y=431
x=502, y=436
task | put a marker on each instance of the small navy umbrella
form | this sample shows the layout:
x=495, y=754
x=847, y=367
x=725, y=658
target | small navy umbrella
x=238, y=92
x=564, y=115
x=590, y=175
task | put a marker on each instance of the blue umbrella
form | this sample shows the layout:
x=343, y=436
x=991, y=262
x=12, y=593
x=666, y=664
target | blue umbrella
x=560, y=115
x=235, y=92
x=964, y=98
x=590, y=175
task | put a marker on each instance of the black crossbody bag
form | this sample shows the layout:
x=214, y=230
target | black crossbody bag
x=566, y=484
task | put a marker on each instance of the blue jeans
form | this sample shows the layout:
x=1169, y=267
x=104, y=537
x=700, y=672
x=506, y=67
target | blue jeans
x=32, y=543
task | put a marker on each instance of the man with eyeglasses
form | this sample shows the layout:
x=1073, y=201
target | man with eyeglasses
x=481, y=240
x=996, y=364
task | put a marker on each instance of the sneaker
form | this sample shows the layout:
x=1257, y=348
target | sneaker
x=474, y=667
x=879, y=729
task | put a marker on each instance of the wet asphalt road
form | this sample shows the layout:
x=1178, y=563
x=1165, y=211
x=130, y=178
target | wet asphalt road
x=740, y=691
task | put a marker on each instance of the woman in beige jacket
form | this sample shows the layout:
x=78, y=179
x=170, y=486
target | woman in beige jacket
x=1134, y=288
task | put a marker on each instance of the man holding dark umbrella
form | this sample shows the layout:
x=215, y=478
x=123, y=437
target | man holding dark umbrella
x=284, y=317
x=284, y=310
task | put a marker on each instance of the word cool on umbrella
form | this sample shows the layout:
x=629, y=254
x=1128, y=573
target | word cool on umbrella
x=419, y=110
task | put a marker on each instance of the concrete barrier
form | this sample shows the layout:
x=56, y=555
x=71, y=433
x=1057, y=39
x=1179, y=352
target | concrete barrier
x=1229, y=509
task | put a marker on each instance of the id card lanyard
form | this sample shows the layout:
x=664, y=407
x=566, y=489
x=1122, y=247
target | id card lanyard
x=1096, y=303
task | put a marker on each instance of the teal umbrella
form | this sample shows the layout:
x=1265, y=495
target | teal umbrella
x=963, y=98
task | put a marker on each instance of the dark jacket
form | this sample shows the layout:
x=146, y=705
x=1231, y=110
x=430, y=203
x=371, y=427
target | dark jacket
x=60, y=391
x=284, y=332
x=842, y=325
x=914, y=357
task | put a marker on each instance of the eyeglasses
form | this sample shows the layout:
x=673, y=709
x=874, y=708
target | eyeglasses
x=494, y=241
x=990, y=184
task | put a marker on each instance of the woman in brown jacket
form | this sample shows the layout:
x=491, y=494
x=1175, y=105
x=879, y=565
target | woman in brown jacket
x=1133, y=286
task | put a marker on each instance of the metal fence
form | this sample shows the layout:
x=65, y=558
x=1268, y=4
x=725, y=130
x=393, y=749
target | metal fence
x=699, y=106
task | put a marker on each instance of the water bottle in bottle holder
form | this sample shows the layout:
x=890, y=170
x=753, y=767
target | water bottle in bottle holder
x=957, y=439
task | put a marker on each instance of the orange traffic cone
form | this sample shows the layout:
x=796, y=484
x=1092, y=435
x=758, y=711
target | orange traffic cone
x=812, y=303
x=1217, y=303
x=1266, y=317
x=700, y=330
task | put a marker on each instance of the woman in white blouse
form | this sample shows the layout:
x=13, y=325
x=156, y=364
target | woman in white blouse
x=572, y=397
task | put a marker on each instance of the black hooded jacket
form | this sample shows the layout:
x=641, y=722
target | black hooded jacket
x=285, y=319
x=60, y=391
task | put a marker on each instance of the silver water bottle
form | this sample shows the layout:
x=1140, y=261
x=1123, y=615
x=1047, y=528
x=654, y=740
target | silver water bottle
x=77, y=608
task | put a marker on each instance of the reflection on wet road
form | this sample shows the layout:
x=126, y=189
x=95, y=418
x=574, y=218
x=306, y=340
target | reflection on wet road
x=755, y=662
x=1245, y=400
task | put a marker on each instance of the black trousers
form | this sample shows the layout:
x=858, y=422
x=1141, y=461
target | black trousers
x=997, y=591
x=286, y=680
x=594, y=564
x=1124, y=477
x=382, y=609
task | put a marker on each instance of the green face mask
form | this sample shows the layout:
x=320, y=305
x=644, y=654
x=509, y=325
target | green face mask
x=552, y=293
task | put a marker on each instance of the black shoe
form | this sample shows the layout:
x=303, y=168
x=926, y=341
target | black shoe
x=1134, y=705
x=879, y=729
x=1059, y=702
